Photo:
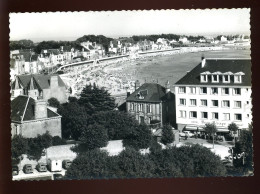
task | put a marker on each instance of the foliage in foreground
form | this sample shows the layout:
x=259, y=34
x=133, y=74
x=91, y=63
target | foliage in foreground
x=167, y=135
x=186, y=161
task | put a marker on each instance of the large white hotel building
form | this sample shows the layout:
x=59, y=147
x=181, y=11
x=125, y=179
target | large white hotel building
x=216, y=90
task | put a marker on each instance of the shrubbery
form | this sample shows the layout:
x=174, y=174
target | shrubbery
x=186, y=161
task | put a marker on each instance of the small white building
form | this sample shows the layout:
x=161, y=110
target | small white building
x=216, y=90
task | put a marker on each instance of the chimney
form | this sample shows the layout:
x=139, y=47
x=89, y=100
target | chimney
x=167, y=86
x=203, y=62
x=40, y=109
x=137, y=84
x=54, y=82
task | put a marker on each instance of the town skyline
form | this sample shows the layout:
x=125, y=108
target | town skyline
x=62, y=25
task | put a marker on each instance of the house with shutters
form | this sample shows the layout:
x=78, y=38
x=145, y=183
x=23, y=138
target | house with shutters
x=30, y=117
x=152, y=103
x=39, y=86
x=216, y=90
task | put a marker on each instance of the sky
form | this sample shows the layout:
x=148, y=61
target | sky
x=72, y=25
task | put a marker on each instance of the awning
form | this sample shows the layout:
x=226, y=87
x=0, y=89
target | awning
x=223, y=130
x=193, y=128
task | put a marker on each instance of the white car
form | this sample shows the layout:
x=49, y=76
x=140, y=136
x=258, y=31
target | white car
x=186, y=133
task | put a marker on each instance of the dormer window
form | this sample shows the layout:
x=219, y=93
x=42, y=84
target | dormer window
x=238, y=77
x=204, y=76
x=215, y=77
x=226, y=77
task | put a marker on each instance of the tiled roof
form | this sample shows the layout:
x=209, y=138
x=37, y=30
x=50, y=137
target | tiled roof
x=153, y=93
x=41, y=81
x=219, y=65
x=22, y=109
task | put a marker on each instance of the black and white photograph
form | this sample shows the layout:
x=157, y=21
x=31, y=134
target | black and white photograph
x=131, y=94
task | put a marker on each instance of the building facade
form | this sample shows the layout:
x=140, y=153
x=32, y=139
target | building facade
x=216, y=90
x=30, y=117
x=151, y=102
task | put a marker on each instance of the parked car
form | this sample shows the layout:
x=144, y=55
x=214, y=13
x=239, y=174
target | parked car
x=66, y=164
x=15, y=170
x=41, y=167
x=57, y=176
x=186, y=133
x=27, y=169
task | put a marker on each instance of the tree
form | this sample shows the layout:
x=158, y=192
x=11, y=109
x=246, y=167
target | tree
x=211, y=129
x=118, y=124
x=95, y=99
x=94, y=136
x=167, y=135
x=56, y=140
x=54, y=102
x=92, y=164
x=19, y=146
x=244, y=145
x=139, y=138
x=74, y=119
x=233, y=128
x=132, y=164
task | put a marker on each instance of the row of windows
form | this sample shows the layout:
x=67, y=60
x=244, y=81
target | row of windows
x=225, y=78
x=140, y=107
x=214, y=103
x=214, y=115
x=213, y=90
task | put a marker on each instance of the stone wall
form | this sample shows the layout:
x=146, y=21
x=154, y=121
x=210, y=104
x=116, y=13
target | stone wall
x=33, y=128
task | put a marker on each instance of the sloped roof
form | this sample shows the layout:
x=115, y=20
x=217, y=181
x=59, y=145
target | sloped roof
x=41, y=81
x=154, y=93
x=221, y=65
x=22, y=109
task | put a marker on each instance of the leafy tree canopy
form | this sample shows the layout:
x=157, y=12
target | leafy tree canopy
x=54, y=102
x=19, y=146
x=167, y=135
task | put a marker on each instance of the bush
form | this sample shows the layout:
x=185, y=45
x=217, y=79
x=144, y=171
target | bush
x=54, y=102
x=19, y=146
x=56, y=140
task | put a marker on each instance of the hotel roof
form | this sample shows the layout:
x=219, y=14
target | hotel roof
x=221, y=66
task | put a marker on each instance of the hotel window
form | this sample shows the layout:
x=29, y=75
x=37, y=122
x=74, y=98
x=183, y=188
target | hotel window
x=215, y=115
x=182, y=90
x=226, y=103
x=214, y=78
x=193, y=114
x=193, y=90
x=237, y=104
x=204, y=103
x=148, y=108
x=214, y=90
x=225, y=91
x=226, y=116
x=182, y=113
x=215, y=103
x=204, y=115
x=140, y=107
x=237, y=78
x=203, y=78
x=226, y=79
x=182, y=101
x=238, y=117
x=203, y=90
x=237, y=91
x=193, y=102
